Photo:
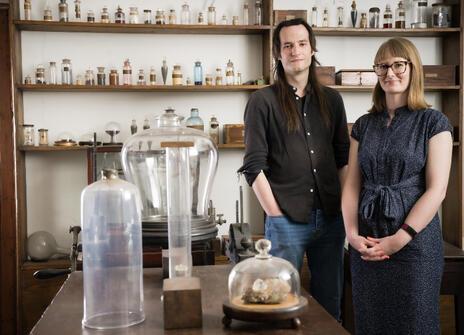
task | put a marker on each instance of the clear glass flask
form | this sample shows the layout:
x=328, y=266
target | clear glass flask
x=195, y=121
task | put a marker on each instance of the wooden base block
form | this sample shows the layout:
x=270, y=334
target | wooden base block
x=182, y=303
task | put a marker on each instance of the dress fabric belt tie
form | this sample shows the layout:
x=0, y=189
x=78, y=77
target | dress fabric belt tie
x=380, y=198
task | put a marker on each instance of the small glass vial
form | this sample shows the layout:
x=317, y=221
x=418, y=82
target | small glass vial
x=105, y=15
x=387, y=17
x=224, y=19
x=133, y=127
x=114, y=77
x=258, y=13
x=133, y=15
x=218, y=78
x=80, y=80
x=90, y=16
x=185, y=14
x=177, y=75
x=48, y=14
x=119, y=16
x=211, y=15
x=152, y=76
x=400, y=16
x=146, y=124
x=340, y=17
x=127, y=73
x=441, y=15
x=325, y=18
x=27, y=9
x=201, y=18
x=172, y=18
x=63, y=11
x=147, y=16
x=198, y=73
x=40, y=74
x=52, y=73
x=43, y=136
x=235, y=20
x=246, y=14
x=101, y=77
x=141, y=78
x=195, y=121
x=77, y=9
x=238, y=78
x=374, y=16
x=208, y=80
x=28, y=80
x=159, y=17
x=89, y=78
x=230, y=73
x=28, y=134
x=314, y=16
x=363, y=22
x=214, y=129
x=419, y=14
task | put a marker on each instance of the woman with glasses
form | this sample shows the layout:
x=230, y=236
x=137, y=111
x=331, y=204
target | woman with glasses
x=399, y=163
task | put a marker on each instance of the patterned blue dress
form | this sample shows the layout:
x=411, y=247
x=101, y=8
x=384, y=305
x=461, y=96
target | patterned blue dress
x=399, y=295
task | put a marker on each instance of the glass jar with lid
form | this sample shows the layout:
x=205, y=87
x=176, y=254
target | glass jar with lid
x=172, y=18
x=400, y=16
x=441, y=15
x=119, y=16
x=177, y=75
x=133, y=15
x=211, y=15
x=374, y=17
x=89, y=77
x=104, y=15
x=40, y=74
x=28, y=134
x=185, y=14
x=419, y=14
x=159, y=17
x=387, y=17
x=195, y=121
x=198, y=73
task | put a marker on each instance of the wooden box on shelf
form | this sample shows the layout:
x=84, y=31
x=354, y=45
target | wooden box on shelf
x=284, y=15
x=234, y=133
x=356, y=77
x=326, y=75
x=439, y=75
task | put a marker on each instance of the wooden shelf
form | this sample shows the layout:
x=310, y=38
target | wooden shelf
x=79, y=27
x=341, y=88
x=137, y=88
x=369, y=32
x=50, y=148
x=231, y=146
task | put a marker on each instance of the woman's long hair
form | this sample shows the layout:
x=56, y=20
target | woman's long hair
x=401, y=47
x=284, y=95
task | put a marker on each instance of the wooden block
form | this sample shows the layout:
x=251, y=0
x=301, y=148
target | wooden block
x=355, y=77
x=439, y=75
x=182, y=303
x=326, y=75
x=234, y=133
x=284, y=15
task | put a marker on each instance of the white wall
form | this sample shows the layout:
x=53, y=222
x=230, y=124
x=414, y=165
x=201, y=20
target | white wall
x=55, y=180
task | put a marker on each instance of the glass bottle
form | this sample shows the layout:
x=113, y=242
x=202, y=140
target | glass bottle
x=28, y=134
x=133, y=15
x=133, y=127
x=208, y=80
x=28, y=80
x=52, y=73
x=127, y=73
x=40, y=74
x=105, y=15
x=246, y=14
x=119, y=16
x=101, y=77
x=400, y=16
x=387, y=17
x=325, y=18
x=258, y=13
x=112, y=239
x=63, y=11
x=172, y=19
x=80, y=80
x=419, y=11
x=238, y=78
x=235, y=20
x=114, y=77
x=43, y=136
x=314, y=16
x=90, y=16
x=198, y=74
x=201, y=18
x=147, y=16
x=441, y=15
x=177, y=75
x=141, y=78
x=66, y=72
x=159, y=17
x=27, y=9
x=211, y=15
x=77, y=9
x=354, y=14
x=340, y=16
x=363, y=22
x=195, y=121
x=146, y=124
x=48, y=14
x=164, y=71
x=185, y=14
x=89, y=77
x=214, y=129
x=218, y=79
x=224, y=19
x=374, y=17
x=152, y=76
x=230, y=73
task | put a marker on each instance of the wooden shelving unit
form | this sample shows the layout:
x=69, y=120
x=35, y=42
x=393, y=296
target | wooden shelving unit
x=370, y=32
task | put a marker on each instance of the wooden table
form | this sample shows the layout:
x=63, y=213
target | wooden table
x=64, y=314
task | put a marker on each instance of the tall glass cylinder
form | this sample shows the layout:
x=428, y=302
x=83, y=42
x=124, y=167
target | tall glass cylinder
x=179, y=208
x=419, y=14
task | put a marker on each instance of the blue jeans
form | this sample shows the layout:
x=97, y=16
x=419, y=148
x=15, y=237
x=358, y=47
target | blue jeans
x=322, y=239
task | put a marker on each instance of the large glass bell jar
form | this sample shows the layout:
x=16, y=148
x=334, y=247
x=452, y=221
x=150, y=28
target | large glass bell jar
x=144, y=163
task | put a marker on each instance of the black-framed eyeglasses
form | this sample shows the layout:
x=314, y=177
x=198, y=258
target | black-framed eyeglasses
x=397, y=68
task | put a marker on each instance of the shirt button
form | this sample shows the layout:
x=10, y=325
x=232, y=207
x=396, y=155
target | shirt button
x=297, y=98
x=308, y=133
x=304, y=114
x=311, y=151
x=314, y=170
x=311, y=190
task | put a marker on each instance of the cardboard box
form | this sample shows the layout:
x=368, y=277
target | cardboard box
x=326, y=75
x=234, y=133
x=356, y=77
x=284, y=15
x=439, y=75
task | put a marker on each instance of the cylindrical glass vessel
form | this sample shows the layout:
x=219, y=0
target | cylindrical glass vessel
x=28, y=134
x=419, y=14
x=63, y=11
x=27, y=9
x=112, y=253
x=246, y=14
x=66, y=72
x=441, y=15
x=43, y=136
x=374, y=17
x=214, y=129
x=177, y=75
x=211, y=15
x=258, y=13
x=105, y=15
x=40, y=74
x=127, y=73
x=340, y=16
x=52, y=73
x=133, y=15
x=388, y=17
x=314, y=17
x=119, y=16
x=195, y=121
x=114, y=77
x=101, y=77
x=400, y=16
x=185, y=14
x=198, y=73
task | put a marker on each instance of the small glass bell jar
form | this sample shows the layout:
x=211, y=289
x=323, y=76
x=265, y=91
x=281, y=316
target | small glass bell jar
x=264, y=284
x=112, y=129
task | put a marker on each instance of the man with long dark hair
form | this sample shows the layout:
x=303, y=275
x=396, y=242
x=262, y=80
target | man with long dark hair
x=296, y=151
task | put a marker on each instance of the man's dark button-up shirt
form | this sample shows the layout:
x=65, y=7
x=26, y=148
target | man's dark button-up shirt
x=298, y=164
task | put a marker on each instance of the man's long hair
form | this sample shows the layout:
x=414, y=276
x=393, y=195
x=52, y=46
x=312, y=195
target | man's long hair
x=284, y=95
